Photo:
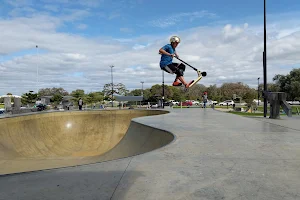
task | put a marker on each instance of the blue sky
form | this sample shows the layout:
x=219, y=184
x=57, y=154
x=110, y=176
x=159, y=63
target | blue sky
x=84, y=37
x=132, y=18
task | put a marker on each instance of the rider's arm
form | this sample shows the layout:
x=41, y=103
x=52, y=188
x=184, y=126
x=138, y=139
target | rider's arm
x=162, y=51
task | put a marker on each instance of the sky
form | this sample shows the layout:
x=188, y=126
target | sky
x=73, y=44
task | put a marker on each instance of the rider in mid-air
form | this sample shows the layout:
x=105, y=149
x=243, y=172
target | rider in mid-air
x=166, y=62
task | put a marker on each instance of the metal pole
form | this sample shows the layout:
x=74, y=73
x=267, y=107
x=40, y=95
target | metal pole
x=258, y=91
x=112, y=87
x=163, y=90
x=37, y=70
x=265, y=63
x=142, y=88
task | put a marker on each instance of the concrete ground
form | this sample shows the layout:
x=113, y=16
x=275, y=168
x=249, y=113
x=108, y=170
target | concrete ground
x=215, y=155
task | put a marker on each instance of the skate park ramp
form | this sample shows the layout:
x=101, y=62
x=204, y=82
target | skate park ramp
x=61, y=139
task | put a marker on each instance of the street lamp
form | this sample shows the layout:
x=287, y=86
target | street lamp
x=258, y=91
x=112, y=87
x=37, y=70
x=142, y=88
x=265, y=63
x=163, y=89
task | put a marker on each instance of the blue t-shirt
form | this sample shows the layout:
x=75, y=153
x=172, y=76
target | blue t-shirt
x=166, y=60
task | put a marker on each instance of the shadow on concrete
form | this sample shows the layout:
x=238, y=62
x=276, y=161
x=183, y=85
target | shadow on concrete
x=71, y=184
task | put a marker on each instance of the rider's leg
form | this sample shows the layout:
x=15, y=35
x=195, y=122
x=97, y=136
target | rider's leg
x=180, y=72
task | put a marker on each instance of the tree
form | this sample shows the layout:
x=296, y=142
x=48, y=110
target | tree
x=77, y=93
x=249, y=96
x=289, y=83
x=94, y=97
x=214, y=93
x=117, y=89
x=178, y=95
x=228, y=89
x=56, y=99
x=29, y=98
x=195, y=92
x=136, y=92
x=53, y=91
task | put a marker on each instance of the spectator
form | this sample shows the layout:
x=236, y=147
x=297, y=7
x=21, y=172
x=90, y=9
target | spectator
x=80, y=104
x=204, y=99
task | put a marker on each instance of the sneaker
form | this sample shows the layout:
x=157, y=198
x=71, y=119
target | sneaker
x=188, y=85
x=176, y=83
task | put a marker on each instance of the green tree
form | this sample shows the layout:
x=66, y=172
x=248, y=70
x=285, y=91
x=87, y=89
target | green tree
x=109, y=89
x=214, y=93
x=78, y=93
x=289, y=83
x=94, y=97
x=136, y=92
x=195, y=92
x=178, y=95
x=249, y=96
x=29, y=98
x=52, y=91
x=227, y=90
x=56, y=99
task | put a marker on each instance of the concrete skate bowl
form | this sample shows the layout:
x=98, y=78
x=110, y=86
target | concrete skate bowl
x=63, y=139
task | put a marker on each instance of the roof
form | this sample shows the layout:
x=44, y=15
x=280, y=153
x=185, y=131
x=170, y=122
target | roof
x=129, y=98
x=15, y=96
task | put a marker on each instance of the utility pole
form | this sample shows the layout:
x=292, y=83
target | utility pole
x=37, y=70
x=265, y=64
x=258, y=91
x=112, y=86
x=142, y=82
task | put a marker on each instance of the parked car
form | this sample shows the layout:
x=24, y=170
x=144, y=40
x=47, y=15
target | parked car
x=187, y=103
x=295, y=103
x=227, y=102
x=41, y=107
x=194, y=102
x=175, y=103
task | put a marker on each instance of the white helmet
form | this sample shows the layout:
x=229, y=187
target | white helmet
x=175, y=39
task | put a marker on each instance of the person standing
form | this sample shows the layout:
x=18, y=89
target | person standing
x=204, y=97
x=80, y=104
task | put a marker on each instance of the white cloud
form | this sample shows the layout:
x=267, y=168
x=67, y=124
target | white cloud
x=228, y=53
x=75, y=14
x=174, y=19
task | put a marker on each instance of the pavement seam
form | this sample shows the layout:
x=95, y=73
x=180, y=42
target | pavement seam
x=120, y=179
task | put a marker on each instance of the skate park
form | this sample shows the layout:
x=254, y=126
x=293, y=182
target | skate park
x=165, y=154
x=108, y=149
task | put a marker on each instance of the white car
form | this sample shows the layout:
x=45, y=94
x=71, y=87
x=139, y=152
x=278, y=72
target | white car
x=227, y=102
x=194, y=102
x=175, y=103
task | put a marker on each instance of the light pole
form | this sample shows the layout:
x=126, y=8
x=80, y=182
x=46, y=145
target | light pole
x=37, y=70
x=163, y=89
x=112, y=86
x=265, y=63
x=142, y=82
x=258, y=91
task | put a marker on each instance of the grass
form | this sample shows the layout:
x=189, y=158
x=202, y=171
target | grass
x=1, y=106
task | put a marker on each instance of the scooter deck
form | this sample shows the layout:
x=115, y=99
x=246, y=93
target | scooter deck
x=195, y=81
x=198, y=79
